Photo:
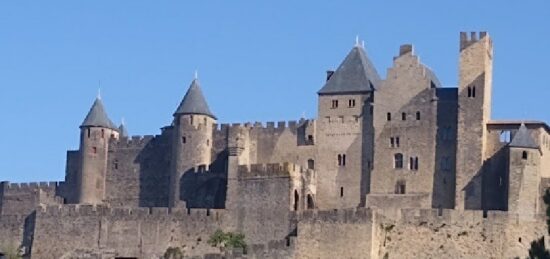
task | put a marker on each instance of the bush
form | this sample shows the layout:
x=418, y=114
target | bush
x=227, y=239
x=173, y=253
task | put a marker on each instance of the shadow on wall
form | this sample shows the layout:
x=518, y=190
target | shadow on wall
x=206, y=189
x=154, y=173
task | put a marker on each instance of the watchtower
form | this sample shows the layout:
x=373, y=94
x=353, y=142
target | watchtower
x=95, y=133
x=474, y=111
x=192, y=139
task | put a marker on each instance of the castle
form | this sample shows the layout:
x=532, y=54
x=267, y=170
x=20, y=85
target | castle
x=397, y=168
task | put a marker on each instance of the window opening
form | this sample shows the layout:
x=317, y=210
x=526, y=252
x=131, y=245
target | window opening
x=296, y=200
x=398, y=161
x=310, y=203
x=334, y=104
x=310, y=164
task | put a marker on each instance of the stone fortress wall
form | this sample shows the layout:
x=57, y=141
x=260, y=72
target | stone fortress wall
x=384, y=171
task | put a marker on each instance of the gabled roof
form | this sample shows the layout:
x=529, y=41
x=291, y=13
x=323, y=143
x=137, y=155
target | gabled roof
x=356, y=74
x=523, y=138
x=194, y=102
x=97, y=117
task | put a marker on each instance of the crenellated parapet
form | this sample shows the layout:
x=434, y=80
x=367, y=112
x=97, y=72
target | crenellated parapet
x=30, y=185
x=457, y=217
x=136, y=142
x=129, y=213
x=270, y=126
x=353, y=215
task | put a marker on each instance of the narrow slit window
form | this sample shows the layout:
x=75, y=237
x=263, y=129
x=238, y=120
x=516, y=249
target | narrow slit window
x=403, y=116
x=339, y=160
x=473, y=92
x=341, y=191
x=343, y=160
x=469, y=91
x=397, y=141
x=183, y=140
x=388, y=116
x=417, y=116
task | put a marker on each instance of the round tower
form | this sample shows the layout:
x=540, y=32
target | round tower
x=95, y=133
x=192, y=140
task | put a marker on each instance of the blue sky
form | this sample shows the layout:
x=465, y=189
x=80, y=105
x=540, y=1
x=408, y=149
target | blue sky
x=257, y=61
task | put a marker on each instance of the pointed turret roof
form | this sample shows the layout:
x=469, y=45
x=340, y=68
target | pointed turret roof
x=523, y=138
x=122, y=129
x=194, y=102
x=356, y=74
x=97, y=117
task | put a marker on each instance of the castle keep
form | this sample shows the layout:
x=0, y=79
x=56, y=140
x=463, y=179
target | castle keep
x=397, y=166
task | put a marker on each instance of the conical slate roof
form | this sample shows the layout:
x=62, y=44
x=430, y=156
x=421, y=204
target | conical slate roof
x=356, y=74
x=122, y=130
x=194, y=102
x=97, y=117
x=523, y=138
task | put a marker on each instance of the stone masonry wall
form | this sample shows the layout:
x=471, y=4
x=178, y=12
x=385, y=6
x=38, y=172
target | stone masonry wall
x=138, y=232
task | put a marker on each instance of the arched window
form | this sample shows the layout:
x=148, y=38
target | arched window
x=524, y=155
x=310, y=203
x=310, y=164
x=296, y=200
x=398, y=161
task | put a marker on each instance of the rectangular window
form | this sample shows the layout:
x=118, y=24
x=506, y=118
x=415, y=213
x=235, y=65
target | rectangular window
x=94, y=150
x=397, y=141
x=334, y=104
x=392, y=142
x=351, y=103
x=403, y=116
x=388, y=116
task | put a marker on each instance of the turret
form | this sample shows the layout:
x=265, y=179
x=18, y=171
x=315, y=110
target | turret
x=192, y=139
x=523, y=174
x=95, y=133
x=474, y=111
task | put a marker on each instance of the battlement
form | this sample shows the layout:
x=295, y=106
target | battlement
x=353, y=215
x=135, y=141
x=80, y=210
x=267, y=170
x=273, y=126
x=467, y=39
x=450, y=216
x=30, y=186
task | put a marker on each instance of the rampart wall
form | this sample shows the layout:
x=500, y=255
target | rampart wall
x=335, y=234
x=22, y=198
x=131, y=232
x=432, y=233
